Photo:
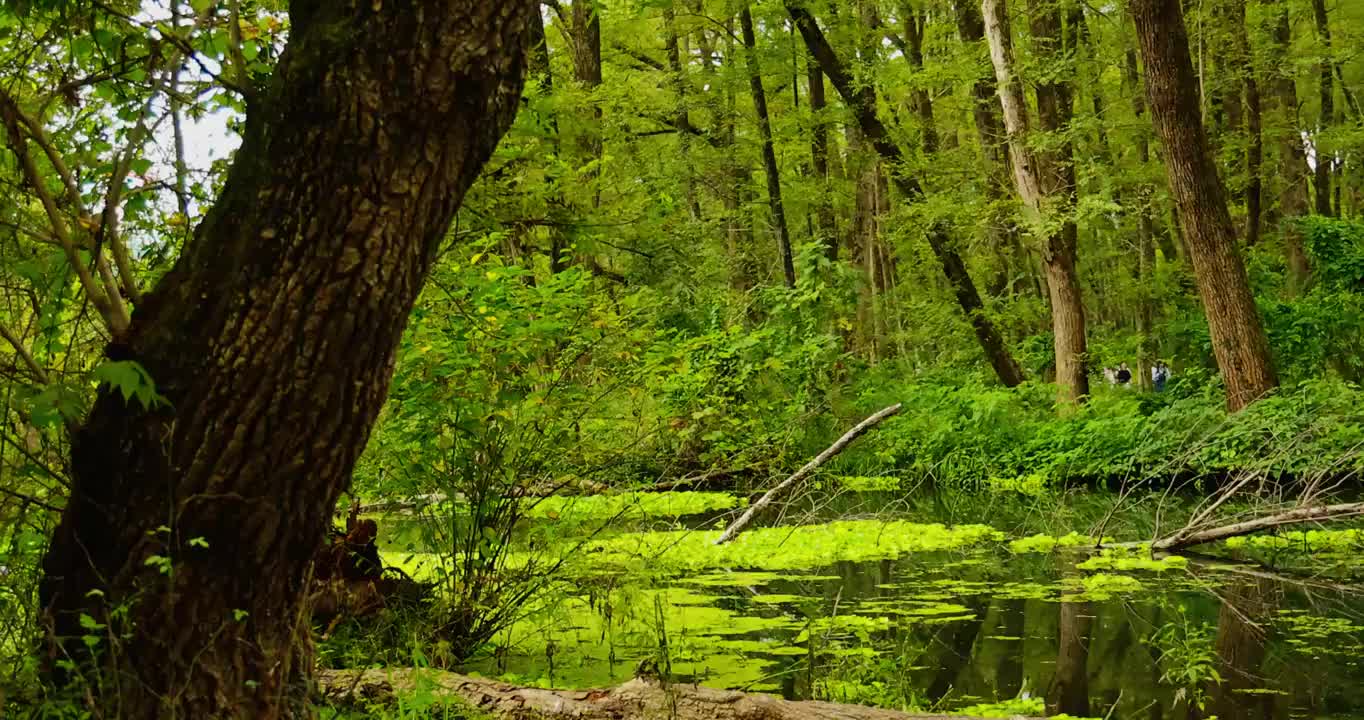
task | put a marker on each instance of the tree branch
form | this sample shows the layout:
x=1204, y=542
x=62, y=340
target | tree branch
x=34, y=368
x=106, y=299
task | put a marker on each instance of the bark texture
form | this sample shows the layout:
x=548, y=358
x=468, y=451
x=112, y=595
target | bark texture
x=637, y=699
x=272, y=340
x=1238, y=337
x=861, y=99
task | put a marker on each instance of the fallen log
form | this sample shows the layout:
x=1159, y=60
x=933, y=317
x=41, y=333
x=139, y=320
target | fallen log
x=1188, y=537
x=638, y=699
x=738, y=526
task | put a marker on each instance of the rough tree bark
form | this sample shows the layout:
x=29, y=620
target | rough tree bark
x=1238, y=337
x=755, y=84
x=862, y=101
x=272, y=339
x=1046, y=184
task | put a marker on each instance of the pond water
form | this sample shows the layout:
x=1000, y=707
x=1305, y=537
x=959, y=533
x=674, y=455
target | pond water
x=917, y=616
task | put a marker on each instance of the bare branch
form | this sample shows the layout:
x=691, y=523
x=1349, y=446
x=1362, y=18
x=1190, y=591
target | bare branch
x=38, y=372
x=738, y=526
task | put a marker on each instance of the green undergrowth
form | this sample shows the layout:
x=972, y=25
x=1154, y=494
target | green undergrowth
x=1013, y=439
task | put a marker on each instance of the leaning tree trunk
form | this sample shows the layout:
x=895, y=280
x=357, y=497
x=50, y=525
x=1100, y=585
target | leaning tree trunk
x=1238, y=337
x=193, y=524
x=1046, y=184
x=861, y=99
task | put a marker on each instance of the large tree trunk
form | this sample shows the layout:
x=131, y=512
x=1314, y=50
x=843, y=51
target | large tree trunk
x=755, y=84
x=862, y=101
x=1046, y=184
x=1238, y=337
x=272, y=340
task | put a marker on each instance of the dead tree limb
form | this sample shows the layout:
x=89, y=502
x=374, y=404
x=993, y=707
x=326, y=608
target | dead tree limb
x=1189, y=537
x=637, y=699
x=738, y=526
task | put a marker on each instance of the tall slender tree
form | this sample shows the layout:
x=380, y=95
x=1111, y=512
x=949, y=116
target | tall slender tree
x=769, y=154
x=1238, y=336
x=1293, y=171
x=1046, y=183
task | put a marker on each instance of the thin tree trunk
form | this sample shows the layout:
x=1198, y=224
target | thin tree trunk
x=862, y=102
x=1254, y=125
x=1326, y=89
x=1238, y=337
x=1046, y=184
x=587, y=70
x=819, y=154
x=272, y=340
x=755, y=84
x=1293, y=199
x=681, y=117
x=923, y=102
x=1146, y=250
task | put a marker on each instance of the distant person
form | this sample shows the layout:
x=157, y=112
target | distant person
x=1160, y=374
x=1124, y=375
x=1111, y=376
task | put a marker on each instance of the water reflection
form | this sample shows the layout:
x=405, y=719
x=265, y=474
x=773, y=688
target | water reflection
x=953, y=630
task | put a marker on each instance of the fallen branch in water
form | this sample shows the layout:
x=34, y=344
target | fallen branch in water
x=1188, y=537
x=738, y=526
x=638, y=699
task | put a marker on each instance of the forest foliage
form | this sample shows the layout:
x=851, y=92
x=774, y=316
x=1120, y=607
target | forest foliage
x=703, y=249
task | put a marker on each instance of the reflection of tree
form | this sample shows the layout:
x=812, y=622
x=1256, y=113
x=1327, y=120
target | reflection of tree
x=955, y=641
x=1240, y=648
x=1069, y=689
